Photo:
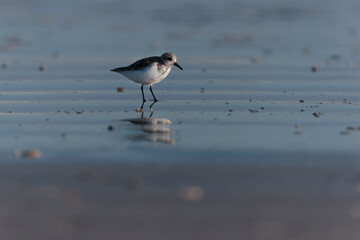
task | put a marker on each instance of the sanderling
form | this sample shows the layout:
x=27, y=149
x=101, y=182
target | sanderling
x=150, y=70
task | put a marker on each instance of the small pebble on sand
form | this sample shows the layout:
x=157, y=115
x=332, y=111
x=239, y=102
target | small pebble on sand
x=111, y=128
x=302, y=101
x=350, y=128
x=3, y=66
x=314, y=68
x=119, y=89
x=297, y=125
x=317, y=114
x=42, y=68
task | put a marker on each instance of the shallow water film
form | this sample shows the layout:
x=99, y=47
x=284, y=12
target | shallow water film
x=257, y=138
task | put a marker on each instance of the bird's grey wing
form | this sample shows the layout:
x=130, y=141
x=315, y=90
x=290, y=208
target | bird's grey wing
x=142, y=63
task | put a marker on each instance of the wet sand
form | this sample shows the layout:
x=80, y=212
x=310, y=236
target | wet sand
x=257, y=138
x=155, y=201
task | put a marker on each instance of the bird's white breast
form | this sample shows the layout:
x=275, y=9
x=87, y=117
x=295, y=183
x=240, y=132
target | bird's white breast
x=148, y=75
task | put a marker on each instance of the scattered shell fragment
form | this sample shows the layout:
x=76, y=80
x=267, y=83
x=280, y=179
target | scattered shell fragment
x=253, y=111
x=193, y=193
x=32, y=153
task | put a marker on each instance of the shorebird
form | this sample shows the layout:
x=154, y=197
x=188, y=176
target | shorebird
x=150, y=70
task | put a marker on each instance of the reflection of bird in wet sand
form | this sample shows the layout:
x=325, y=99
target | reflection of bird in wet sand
x=156, y=129
x=148, y=71
x=141, y=109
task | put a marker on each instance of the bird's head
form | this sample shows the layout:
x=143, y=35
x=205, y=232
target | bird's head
x=169, y=59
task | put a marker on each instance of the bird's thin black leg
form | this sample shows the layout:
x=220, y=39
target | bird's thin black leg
x=142, y=106
x=151, y=110
x=142, y=92
x=155, y=100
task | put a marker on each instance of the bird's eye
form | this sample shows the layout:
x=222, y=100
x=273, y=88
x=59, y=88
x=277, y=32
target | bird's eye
x=170, y=59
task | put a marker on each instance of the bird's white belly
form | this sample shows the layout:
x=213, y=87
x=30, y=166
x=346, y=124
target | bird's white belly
x=148, y=75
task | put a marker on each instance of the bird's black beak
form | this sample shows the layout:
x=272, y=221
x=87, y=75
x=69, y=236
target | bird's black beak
x=176, y=64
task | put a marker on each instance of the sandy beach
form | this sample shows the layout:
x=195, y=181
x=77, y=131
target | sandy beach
x=258, y=137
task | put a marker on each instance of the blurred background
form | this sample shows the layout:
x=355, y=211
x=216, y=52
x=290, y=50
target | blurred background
x=101, y=31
